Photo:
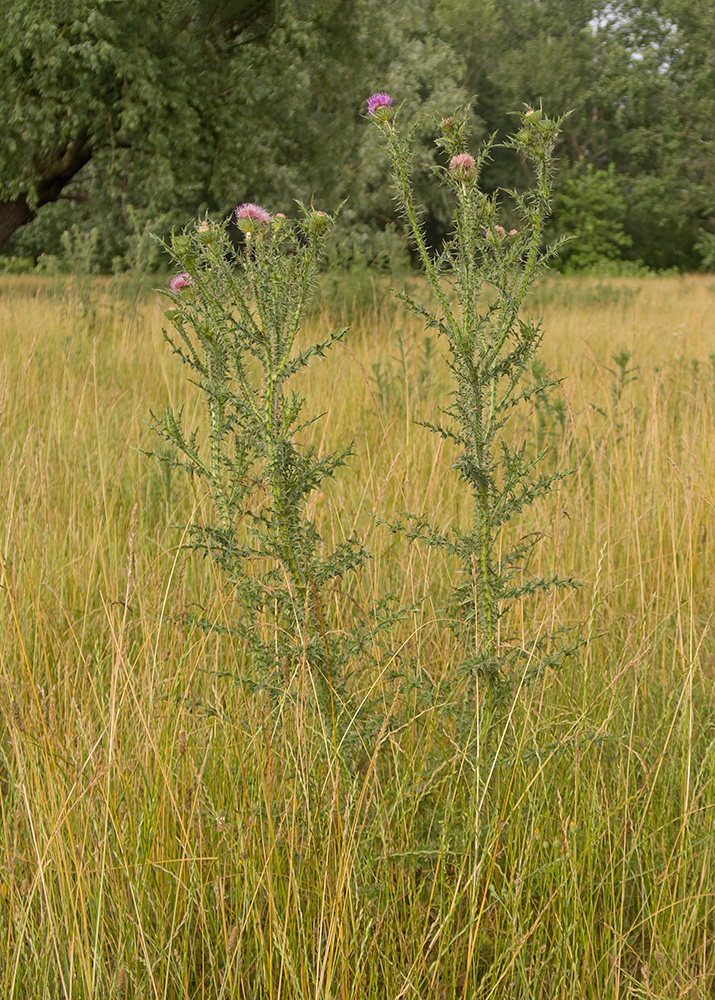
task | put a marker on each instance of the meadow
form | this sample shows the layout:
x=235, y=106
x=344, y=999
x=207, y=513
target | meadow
x=165, y=834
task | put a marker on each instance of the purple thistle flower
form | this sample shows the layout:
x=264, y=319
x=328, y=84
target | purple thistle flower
x=462, y=165
x=376, y=103
x=180, y=281
x=253, y=212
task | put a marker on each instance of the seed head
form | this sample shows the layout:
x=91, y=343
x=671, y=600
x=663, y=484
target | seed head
x=122, y=983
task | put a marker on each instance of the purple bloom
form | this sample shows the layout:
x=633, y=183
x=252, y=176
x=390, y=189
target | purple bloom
x=180, y=281
x=378, y=102
x=253, y=212
x=462, y=165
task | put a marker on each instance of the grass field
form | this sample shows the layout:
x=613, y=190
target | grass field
x=164, y=834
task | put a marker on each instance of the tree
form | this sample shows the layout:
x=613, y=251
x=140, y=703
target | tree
x=176, y=110
x=139, y=82
x=590, y=207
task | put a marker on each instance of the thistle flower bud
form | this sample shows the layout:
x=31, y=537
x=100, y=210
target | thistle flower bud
x=317, y=222
x=181, y=245
x=205, y=233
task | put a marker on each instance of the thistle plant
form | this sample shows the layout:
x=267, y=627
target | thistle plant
x=238, y=316
x=479, y=280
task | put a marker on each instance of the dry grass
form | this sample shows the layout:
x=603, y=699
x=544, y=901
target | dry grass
x=163, y=835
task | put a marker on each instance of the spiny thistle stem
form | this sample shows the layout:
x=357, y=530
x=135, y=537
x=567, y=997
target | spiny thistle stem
x=237, y=317
x=490, y=349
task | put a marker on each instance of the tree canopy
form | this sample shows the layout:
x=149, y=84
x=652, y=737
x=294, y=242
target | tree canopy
x=168, y=107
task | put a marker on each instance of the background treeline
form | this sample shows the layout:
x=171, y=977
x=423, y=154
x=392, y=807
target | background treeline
x=122, y=118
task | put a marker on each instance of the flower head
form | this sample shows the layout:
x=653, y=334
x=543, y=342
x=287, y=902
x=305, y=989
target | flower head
x=180, y=281
x=251, y=218
x=252, y=212
x=463, y=166
x=378, y=106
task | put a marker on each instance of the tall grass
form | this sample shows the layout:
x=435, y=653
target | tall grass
x=163, y=836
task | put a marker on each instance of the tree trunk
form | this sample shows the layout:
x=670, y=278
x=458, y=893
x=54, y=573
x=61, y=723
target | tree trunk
x=52, y=176
x=13, y=214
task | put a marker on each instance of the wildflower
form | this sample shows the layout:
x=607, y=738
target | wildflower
x=180, y=281
x=463, y=166
x=378, y=106
x=248, y=214
x=530, y=111
x=500, y=231
x=513, y=232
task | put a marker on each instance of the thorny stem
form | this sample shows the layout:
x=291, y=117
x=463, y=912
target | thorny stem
x=477, y=342
x=405, y=192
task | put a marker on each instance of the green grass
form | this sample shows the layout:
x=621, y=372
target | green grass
x=165, y=834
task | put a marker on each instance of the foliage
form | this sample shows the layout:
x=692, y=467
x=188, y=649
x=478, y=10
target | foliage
x=591, y=209
x=157, y=107
x=706, y=247
x=294, y=77
x=639, y=80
